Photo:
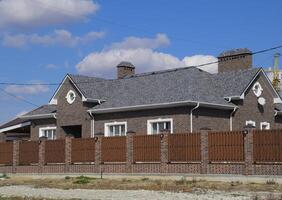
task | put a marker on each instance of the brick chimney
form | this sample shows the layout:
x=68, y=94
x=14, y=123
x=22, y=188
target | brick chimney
x=125, y=69
x=236, y=59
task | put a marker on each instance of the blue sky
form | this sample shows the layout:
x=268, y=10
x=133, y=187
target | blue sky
x=42, y=40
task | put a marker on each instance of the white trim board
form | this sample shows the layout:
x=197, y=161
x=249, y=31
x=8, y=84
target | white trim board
x=15, y=127
x=54, y=101
x=150, y=121
x=106, y=127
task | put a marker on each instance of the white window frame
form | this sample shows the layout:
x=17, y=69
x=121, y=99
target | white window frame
x=250, y=122
x=107, y=125
x=68, y=97
x=267, y=124
x=48, y=128
x=151, y=121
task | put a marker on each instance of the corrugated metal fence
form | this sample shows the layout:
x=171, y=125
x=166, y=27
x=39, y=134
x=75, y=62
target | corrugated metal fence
x=28, y=152
x=114, y=149
x=267, y=146
x=83, y=150
x=184, y=147
x=55, y=151
x=226, y=146
x=146, y=148
x=6, y=153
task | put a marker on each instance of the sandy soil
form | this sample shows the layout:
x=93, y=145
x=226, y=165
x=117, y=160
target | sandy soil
x=197, y=194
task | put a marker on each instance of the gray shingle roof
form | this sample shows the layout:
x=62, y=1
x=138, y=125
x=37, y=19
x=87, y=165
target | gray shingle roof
x=13, y=122
x=181, y=84
x=233, y=83
x=42, y=110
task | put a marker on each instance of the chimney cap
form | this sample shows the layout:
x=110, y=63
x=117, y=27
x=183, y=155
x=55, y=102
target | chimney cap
x=126, y=64
x=234, y=52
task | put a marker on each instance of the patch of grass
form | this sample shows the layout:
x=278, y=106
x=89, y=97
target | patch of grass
x=67, y=178
x=271, y=182
x=4, y=176
x=82, y=180
x=145, y=179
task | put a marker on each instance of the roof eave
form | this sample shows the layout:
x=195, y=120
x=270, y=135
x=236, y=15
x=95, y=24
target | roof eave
x=20, y=125
x=39, y=116
x=161, y=105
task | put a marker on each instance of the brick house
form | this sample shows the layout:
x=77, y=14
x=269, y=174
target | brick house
x=177, y=100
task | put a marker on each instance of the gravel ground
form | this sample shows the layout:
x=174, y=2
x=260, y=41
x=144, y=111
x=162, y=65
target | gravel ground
x=30, y=191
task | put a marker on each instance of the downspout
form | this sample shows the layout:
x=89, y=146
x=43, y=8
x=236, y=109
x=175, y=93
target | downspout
x=191, y=116
x=92, y=124
x=231, y=117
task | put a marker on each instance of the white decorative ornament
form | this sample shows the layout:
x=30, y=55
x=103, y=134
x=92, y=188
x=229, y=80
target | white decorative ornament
x=261, y=101
x=257, y=89
x=70, y=97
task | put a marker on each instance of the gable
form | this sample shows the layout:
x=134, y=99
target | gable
x=65, y=81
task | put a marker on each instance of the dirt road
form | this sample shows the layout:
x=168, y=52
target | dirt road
x=30, y=191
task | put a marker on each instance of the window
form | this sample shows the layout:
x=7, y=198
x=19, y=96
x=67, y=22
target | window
x=250, y=122
x=159, y=125
x=264, y=126
x=48, y=132
x=70, y=97
x=257, y=89
x=115, y=129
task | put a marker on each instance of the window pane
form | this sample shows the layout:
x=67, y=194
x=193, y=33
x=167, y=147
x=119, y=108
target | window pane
x=167, y=124
x=161, y=126
x=117, y=130
x=154, y=128
x=111, y=128
x=54, y=134
x=122, y=128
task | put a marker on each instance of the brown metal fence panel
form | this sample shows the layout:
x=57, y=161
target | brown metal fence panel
x=28, y=152
x=184, y=147
x=6, y=153
x=267, y=145
x=83, y=150
x=226, y=146
x=146, y=148
x=55, y=151
x=114, y=149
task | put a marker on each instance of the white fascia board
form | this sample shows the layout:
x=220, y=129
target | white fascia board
x=41, y=116
x=161, y=105
x=54, y=101
x=15, y=127
x=271, y=86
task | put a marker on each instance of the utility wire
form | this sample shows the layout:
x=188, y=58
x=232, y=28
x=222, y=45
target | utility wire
x=200, y=65
x=18, y=98
x=35, y=105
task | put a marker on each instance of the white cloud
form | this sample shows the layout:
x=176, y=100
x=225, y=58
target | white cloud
x=161, y=40
x=58, y=37
x=51, y=66
x=28, y=89
x=202, y=59
x=103, y=63
x=32, y=13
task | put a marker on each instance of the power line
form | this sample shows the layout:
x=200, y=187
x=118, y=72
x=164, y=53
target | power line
x=200, y=65
x=18, y=98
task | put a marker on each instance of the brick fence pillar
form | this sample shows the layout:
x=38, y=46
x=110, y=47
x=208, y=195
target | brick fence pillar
x=204, y=151
x=129, y=152
x=15, y=155
x=164, y=152
x=41, y=156
x=98, y=154
x=68, y=142
x=248, y=150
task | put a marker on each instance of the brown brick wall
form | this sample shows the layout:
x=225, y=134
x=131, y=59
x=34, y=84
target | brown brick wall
x=246, y=167
x=249, y=109
x=137, y=120
x=37, y=124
